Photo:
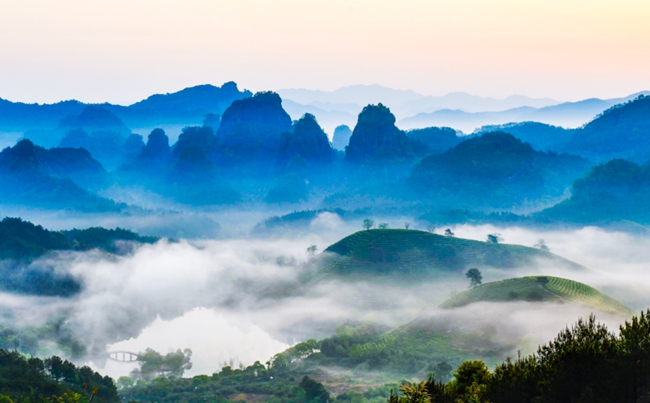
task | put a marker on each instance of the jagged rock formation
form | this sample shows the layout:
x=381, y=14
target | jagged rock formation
x=132, y=146
x=307, y=141
x=376, y=138
x=156, y=154
x=341, y=137
x=253, y=127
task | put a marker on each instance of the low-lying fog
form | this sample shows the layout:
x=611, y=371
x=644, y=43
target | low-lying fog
x=237, y=299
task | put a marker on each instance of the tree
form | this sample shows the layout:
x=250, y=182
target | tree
x=470, y=381
x=368, y=223
x=541, y=245
x=407, y=225
x=314, y=391
x=475, y=277
x=312, y=250
x=494, y=238
x=449, y=233
x=414, y=393
x=432, y=229
x=383, y=225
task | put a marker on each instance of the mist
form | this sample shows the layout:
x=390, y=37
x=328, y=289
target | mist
x=242, y=299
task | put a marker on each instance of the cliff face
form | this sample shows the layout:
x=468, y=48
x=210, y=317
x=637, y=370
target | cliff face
x=253, y=126
x=375, y=137
x=307, y=141
x=157, y=147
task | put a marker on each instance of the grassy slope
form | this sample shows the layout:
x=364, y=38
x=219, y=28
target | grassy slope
x=417, y=252
x=434, y=337
x=538, y=289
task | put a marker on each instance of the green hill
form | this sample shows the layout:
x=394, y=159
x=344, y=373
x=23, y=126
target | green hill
x=445, y=336
x=412, y=252
x=538, y=288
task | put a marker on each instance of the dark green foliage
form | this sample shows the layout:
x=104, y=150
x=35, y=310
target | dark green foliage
x=106, y=239
x=314, y=391
x=475, y=277
x=494, y=170
x=538, y=288
x=172, y=365
x=412, y=252
x=32, y=380
x=21, y=239
x=21, y=242
x=276, y=382
x=584, y=363
x=38, y=340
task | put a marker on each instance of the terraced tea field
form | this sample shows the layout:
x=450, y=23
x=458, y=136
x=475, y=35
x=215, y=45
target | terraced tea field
x=390, y=251
x=538, y=288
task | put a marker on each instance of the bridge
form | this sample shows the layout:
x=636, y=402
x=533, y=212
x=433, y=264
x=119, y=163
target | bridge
x=124, y=356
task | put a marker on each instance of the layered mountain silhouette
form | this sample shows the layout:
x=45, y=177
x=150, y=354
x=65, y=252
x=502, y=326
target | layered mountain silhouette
x=433, y=140
x=188, y=106
x=615, y=191
x=33, y=176
x=495, y=170
x=622, y=131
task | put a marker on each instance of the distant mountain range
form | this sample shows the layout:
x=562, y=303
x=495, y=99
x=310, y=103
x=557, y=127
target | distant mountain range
x=567, y=114
x=188, y=106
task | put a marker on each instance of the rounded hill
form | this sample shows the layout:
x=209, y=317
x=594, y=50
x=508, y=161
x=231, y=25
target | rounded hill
x=400, y=251
x=538, y=289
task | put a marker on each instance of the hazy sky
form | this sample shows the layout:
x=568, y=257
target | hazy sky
x=121, y=51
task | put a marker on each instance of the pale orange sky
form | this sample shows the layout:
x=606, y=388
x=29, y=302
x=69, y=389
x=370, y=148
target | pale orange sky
x=122, y=51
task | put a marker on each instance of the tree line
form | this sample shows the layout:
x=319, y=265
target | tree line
x=584, y=363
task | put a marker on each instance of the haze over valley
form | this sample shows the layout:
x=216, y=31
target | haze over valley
x=324, y=203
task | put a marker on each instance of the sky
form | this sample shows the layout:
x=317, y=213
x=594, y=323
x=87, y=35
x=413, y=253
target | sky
x=122, y=51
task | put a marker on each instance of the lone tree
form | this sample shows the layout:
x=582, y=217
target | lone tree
x=475, y=277
x=312, y=250
x=407, y=225
x=541, y=245
x=494, y=238
x=368, y=223
x=383, y=225
x=432, y=229
x=449, y=233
